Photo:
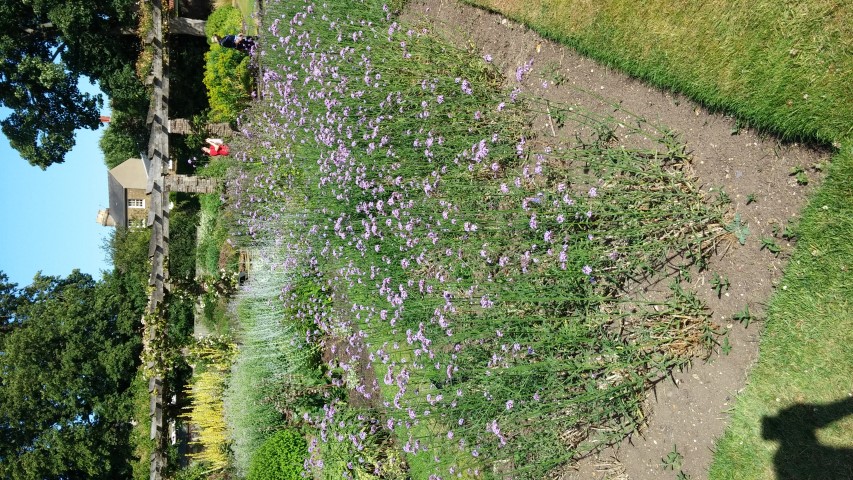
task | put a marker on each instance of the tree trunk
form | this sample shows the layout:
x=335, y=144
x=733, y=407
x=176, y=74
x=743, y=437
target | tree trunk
x=187, y=26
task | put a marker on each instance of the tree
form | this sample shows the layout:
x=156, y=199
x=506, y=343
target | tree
x=46, y=47
x=65, y=370
x=124, y=137
x=47, y=108
x=8, y=304
x=127, y=251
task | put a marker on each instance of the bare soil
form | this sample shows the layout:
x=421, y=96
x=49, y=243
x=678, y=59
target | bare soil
x=689, y=409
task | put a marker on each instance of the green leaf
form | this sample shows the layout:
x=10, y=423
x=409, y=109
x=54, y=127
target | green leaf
x=726, y=347
x=672, y=460
x=769, y=244
x=739, y=229
x=743, y=317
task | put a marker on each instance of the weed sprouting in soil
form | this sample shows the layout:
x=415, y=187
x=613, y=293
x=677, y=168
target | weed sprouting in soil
x=743, y=317
x=769, y=244
x=673, y=459
x=739, y=228
x=720, y=284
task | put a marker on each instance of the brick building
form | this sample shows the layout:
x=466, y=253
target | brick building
x=128, y=201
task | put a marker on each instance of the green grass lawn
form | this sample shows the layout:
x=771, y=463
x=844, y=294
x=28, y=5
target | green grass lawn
x=783, y=66
x=787, y=68
x=247, y=8
x=806, y=355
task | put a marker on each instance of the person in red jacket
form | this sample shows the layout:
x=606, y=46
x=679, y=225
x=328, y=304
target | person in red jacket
x=216, y=147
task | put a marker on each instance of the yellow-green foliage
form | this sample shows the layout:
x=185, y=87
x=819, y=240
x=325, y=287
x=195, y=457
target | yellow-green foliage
x=205, y=394
x=224, y=21
x=214, y=352
x=228, y=82
x=226, y=74
x=207, y=415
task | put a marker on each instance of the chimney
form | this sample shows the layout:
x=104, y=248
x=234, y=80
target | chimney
x=105, y=219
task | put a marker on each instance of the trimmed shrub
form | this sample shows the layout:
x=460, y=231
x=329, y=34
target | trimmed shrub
x=228, y=81
x=224, y=21
x=227, y=74
x=281, y=457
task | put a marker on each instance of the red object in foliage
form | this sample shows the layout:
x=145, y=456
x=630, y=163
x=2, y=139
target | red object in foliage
x=216, y=150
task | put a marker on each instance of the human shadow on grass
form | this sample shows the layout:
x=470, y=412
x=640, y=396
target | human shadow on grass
x=801, y=456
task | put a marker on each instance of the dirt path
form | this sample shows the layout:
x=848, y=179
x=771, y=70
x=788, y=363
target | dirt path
x=688, y=411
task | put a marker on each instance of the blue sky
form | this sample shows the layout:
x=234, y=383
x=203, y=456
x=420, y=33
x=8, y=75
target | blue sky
x=48, y=216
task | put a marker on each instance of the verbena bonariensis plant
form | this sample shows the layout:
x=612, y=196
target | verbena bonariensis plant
x=467, y=282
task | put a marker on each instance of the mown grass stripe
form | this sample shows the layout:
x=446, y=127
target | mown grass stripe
x=806, y=357
x=787, y=68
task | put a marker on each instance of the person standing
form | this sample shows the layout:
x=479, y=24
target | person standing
x=216, y=147
x=238, y=42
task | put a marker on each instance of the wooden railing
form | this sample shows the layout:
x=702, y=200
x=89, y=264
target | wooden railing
x=158, y=220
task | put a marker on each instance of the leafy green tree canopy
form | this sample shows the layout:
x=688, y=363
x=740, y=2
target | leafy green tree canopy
x=46, y=47
x=67, y=358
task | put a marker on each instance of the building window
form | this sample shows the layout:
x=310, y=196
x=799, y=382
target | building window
x=135, y=203
x=136, y=223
